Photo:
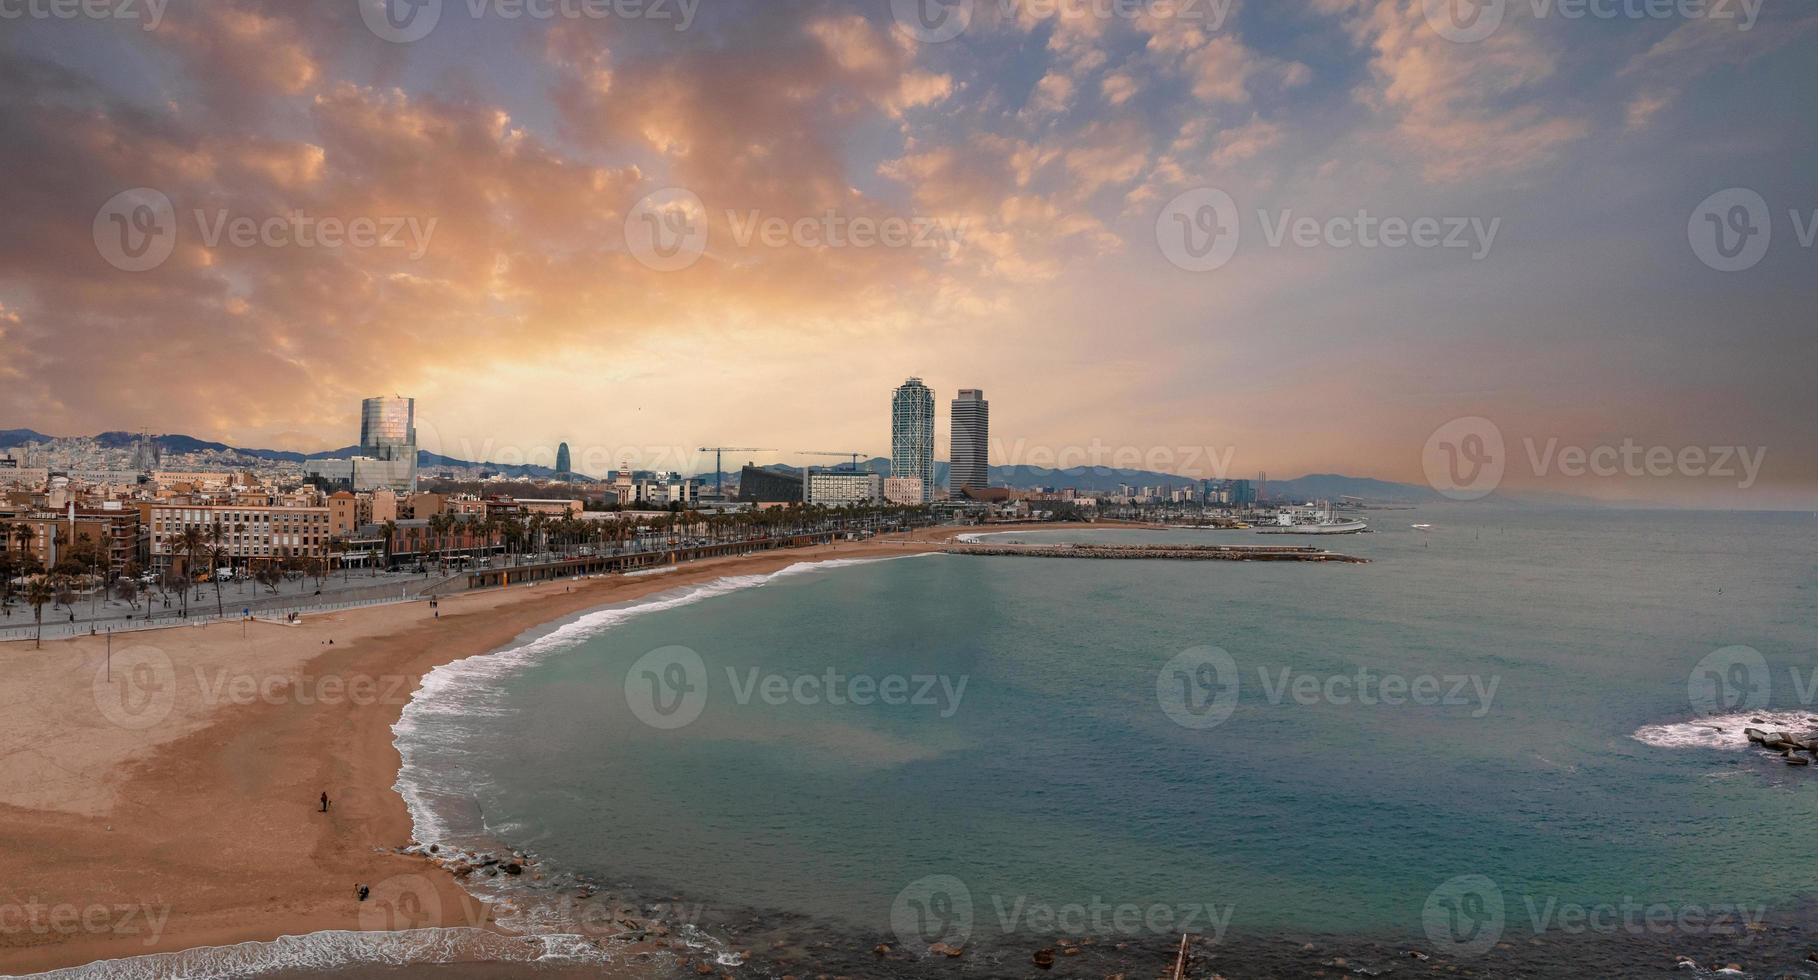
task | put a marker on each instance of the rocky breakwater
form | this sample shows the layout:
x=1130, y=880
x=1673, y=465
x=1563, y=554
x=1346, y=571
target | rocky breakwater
x=1787, y=746
x=1164, y=552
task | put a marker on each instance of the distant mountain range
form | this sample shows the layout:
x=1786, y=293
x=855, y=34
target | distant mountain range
x=1319, y=486
x=180, y=444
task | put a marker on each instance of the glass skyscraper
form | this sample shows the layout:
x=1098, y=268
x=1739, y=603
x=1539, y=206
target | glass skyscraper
x=969, y=427
x=912, y=434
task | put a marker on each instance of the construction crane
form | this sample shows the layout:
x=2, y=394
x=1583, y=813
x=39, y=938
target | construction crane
x=852, y=456
x=719, y=472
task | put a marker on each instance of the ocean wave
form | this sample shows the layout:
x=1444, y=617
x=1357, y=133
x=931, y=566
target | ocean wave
x=1721, y=731
x=471, y=688
x=338, y=950
x=435, y=719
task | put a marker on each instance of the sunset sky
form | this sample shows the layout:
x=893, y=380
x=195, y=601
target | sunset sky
x=1043, y=150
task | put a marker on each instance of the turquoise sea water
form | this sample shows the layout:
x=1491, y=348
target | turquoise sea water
x=1057, y=778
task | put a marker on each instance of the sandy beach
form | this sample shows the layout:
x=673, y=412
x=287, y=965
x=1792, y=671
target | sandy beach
x=167, y=798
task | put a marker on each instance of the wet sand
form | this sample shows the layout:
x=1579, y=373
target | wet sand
x=170, y=801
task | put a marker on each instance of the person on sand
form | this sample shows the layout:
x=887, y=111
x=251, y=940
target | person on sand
x=362, y=891
x=325, y=801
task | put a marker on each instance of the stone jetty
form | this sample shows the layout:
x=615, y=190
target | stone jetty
x=1167, y=552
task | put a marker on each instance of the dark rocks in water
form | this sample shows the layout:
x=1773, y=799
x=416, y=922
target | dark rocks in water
x=1415, y=954
x=1797, y=760
x=1043, y=959
x=513, y=868
x=1755, y=734
x=881, y=949
x=951, y=952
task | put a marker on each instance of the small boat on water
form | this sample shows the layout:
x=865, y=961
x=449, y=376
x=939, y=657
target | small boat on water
x=1421, y=527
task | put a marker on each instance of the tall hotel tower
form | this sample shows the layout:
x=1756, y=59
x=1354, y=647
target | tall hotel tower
x=388, y=432
x=912, y=434
x=969, y=462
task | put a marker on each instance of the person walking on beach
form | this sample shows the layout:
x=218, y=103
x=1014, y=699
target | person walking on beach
x=325, y=801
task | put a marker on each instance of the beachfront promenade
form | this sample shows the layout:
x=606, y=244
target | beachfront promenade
x=239, y=600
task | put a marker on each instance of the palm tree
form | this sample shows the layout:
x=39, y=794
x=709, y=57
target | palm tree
x=391, y=535
x=191, y=544
x=38, y=592
x=217, y=550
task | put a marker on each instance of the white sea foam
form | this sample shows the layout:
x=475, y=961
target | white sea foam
x=471, y=688
x=1722, y=731
x=339, y=951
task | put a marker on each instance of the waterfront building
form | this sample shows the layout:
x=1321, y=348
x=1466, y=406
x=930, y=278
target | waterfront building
x=845, y=488
x=254, y=535
x=905, y=490
x=758, y=485
x=912, y=434
x=969, y=432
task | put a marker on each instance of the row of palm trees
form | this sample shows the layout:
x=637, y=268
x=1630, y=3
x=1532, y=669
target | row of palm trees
x=447, y=535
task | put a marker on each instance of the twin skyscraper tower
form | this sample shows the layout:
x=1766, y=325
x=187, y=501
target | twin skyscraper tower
x=912, y=438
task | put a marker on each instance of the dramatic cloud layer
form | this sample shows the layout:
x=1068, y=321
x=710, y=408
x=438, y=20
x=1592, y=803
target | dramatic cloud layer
x=482, y=217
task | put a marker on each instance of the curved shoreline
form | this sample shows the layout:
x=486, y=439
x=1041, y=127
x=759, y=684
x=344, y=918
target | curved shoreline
x=210, y=816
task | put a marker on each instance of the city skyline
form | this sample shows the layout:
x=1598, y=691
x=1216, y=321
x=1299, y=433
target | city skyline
x=1045, y=158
